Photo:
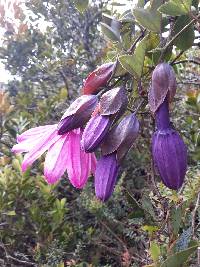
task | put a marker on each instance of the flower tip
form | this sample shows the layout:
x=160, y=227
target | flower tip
x=24, y=167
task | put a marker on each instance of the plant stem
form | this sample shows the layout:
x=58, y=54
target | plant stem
x=185, y=61
x=176, y=36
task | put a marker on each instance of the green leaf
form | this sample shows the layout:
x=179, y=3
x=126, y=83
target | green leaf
x=147, y=206
x=179, y=258
x=11, y=213
x=134, y=63
x=176, y=7
x=110, y=33
x=186, y=39
x=150, y=228
x=81, y=5
x=150, y=19
x=176, y=219
x=154, y=251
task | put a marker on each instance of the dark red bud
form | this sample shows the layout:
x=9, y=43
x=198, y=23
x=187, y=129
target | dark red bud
x=98, y=78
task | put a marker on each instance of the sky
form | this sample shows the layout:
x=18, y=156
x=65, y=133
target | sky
x=5, y=75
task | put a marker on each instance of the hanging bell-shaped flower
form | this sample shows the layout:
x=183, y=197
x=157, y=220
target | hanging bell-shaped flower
x=105, y=176
x=170, y=157
x=168, y=150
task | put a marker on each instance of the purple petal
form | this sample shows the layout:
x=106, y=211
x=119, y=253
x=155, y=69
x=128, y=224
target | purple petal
x=94, y=132
x=93, y=163
x=105, y=176
x=170, y=157
x=78, y=163
x=56, y=160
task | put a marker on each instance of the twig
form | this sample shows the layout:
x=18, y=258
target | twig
x=185, y=61
x=174, y=60
x=194, y=214
x=26, y=263
x=131, y=49
x=176, y=36
x=198, y=256
x=116, y=236
x=189, y=82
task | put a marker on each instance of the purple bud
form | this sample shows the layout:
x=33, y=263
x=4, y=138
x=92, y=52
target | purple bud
x=170, y=157
x=121, y=137
x=94, y=132
x=105, y=176
x=77, y=114
x=163, y=86
x=113, y=101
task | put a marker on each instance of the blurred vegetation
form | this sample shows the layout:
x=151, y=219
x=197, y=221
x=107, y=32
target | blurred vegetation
x=144, y=223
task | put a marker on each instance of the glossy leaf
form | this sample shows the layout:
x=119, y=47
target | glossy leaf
x=185, y=40
x=179, y=258
x=134, y=63
x=113, y=101
x=176, y=219
x=110, y=33
x=150, y=19
x=154, y=251
x=176, y=7
x=121, y=137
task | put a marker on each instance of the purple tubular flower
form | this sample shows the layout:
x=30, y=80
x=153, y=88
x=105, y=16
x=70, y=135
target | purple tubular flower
x=168, y=149
x=170, y=157
x=77, y=114
x=162, y=116
x=105, y=176
x=94, y=132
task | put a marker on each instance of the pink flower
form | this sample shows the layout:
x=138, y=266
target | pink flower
x=64, y=153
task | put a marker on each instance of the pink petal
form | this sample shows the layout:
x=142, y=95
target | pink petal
x=35, y=132
x=93, y=163
x=56, y=160
x=39, y=148
x=79, y=162
x=30, y=138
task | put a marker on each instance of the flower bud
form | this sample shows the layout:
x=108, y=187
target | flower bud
x=113, y=101
x=77, y=114
x=121, y=137
x=94, y=132
x=98, y=78
x=111, y=105
x=170, y=157
x=163, y=85
x=105, y=176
